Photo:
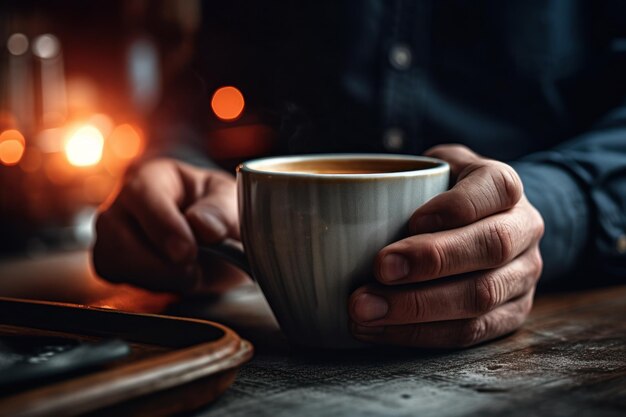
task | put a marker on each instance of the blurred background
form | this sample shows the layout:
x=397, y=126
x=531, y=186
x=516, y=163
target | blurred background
x=79, y=82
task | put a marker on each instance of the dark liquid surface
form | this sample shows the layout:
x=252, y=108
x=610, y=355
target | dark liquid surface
x=347, y=166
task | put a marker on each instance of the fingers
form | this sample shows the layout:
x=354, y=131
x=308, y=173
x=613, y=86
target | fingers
x=147, y=237
x=485, y=244
x=469, y=296
x=484, y=223
x=452, y=334
x=120, y=255
x=152, y=197
x=483, y=187
x=214, y=216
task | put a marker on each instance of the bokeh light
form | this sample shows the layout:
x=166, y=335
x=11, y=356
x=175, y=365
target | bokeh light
x=11, y=152
x=84, y=146
x=17, y=44
x=12, y=134
x=227, y=103
x=46, y=46
x=126, y=141
x=12, y=146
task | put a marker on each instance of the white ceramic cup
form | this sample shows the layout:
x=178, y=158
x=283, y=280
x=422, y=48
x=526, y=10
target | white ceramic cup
x=312, y=225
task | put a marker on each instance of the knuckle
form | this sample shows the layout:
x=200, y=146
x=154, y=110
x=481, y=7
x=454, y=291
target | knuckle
x=507, y=182
x=472, y=332
x=470, y=168
x=500, y=246
x=539, y=225
x=463, y=211
x=413, y=307
x=432, y=257
x=487, y=294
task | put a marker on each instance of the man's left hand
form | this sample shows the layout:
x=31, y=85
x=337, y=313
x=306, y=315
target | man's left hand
x=467, y=273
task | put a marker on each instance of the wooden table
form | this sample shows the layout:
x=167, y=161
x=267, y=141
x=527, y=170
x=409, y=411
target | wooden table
x=568, y=360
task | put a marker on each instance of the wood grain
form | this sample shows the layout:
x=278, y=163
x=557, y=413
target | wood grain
x=568, y=360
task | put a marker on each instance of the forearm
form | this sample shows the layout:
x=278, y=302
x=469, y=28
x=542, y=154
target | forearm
x=565, y=211
x=580, y=190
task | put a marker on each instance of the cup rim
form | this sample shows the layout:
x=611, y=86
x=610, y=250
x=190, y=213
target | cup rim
x=440, y=166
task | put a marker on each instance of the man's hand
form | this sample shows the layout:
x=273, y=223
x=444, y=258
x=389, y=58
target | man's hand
x=468, y=272
x=149, y=235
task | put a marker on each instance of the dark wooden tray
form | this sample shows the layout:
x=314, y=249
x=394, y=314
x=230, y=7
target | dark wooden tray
x=177, y=364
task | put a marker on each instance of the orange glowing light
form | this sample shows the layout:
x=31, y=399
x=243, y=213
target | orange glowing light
x=126, y=142
x=84, y=146
x=227, y=103
x=12, y=145
x=11, y=152
x=12, y=134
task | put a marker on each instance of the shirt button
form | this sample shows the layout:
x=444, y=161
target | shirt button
x=400, y=57
x=393, y=139
x=620, y=245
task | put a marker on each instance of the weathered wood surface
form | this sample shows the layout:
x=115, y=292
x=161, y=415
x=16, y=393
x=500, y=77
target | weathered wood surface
x=568, y=360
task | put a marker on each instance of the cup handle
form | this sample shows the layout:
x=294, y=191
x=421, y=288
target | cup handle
x=229, y=250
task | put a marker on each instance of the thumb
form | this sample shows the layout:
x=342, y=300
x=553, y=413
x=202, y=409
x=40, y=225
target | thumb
x=213, y=217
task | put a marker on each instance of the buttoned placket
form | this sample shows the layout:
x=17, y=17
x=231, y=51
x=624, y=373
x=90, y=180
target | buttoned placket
x=401, y=99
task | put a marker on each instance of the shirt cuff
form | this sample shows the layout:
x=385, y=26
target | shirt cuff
x=562, y=204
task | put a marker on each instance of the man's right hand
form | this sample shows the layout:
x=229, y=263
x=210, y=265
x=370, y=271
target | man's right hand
x=150, y=233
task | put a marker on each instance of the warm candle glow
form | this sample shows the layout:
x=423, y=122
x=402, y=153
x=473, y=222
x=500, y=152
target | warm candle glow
x=227, y=103
x=12, y=145
x=84, y=146
x=12, y=134
x=11, y=152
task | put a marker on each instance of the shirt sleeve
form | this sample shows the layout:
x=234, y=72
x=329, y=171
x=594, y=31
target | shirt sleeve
x=580, y=190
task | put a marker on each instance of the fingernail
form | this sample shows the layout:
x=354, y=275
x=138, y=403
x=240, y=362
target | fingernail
x=368, y=307
x=177, y=249
x=426, y=224
x=213, y=222
x=367, y=330
x=394, y=267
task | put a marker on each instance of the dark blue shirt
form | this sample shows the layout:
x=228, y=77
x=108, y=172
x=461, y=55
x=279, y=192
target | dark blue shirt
x=537, y=84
